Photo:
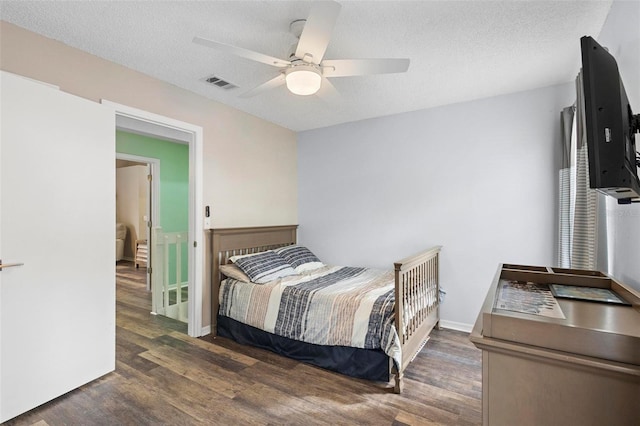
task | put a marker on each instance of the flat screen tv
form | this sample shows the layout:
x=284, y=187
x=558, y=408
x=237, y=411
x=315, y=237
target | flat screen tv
x=610, y=125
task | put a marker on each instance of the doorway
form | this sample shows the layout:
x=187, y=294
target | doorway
x=146, y=123
x=153, y=205
x=137, y=196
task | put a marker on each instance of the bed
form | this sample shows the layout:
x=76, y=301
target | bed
x=408, y=301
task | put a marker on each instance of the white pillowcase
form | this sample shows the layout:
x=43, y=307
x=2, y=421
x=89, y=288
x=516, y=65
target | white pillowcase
x=232, y=271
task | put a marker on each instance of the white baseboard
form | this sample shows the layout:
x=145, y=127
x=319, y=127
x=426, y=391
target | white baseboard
x=205, y=330
x=459, y=326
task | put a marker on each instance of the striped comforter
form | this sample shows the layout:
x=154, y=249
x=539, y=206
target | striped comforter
x=332, y=305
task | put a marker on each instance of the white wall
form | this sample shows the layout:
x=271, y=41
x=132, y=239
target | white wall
x=478, y=178
x=621, y=35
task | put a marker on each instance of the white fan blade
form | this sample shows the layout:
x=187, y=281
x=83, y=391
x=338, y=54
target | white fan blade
x=271, y=84
x=317, y=31
x=328, y=92
x=349, y=67
x=243, y=53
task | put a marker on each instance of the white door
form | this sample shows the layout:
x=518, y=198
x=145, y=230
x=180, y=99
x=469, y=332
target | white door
x=57, y=217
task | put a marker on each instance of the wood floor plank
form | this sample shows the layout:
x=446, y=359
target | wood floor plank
x=231, y=354
x=252, y=352
x=213, y=378
x=164, y=377
x=178, y=391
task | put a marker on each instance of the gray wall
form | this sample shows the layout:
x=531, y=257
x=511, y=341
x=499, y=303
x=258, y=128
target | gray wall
x=621, y=35
x=478, y=178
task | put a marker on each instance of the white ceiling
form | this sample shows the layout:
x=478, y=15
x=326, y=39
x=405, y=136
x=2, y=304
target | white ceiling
x=459, y=50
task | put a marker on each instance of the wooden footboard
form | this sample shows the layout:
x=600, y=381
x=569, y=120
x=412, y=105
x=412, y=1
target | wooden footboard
x=417, y=305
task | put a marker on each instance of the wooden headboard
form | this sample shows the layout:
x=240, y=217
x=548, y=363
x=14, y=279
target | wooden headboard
x=227, y=242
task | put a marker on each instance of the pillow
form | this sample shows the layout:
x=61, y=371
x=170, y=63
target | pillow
x=264, y=267
x=232, y=271
x=233, y=259
x=300, y=258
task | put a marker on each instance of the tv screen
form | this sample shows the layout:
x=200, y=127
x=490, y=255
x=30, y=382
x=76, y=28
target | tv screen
x=610, y=125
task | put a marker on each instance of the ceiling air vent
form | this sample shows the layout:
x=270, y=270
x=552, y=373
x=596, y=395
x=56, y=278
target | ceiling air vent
x=217, y=81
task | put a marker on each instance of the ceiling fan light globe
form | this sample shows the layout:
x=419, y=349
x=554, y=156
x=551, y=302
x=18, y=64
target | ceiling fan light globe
x=305, y=81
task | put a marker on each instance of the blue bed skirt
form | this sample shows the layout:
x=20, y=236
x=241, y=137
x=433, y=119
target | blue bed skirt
x=366, y=364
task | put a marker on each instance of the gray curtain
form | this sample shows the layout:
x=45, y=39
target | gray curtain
x=578, y=204
x=567, y=117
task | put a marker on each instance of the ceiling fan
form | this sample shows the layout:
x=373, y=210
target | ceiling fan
x=306, y=72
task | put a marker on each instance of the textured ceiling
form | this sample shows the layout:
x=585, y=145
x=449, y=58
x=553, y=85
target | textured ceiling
x=459, y=50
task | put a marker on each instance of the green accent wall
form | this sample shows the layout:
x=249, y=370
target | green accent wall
x=174, y=182
x=174, y=175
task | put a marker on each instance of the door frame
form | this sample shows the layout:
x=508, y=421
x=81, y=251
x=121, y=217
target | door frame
x=196, y=226
x=154, y=205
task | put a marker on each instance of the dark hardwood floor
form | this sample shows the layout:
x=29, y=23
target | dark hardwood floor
x=164, y=377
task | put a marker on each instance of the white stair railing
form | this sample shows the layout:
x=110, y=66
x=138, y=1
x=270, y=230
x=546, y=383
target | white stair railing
x=168, y=284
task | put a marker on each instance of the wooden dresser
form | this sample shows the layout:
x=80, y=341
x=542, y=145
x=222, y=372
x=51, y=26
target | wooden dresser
x=583, y=369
